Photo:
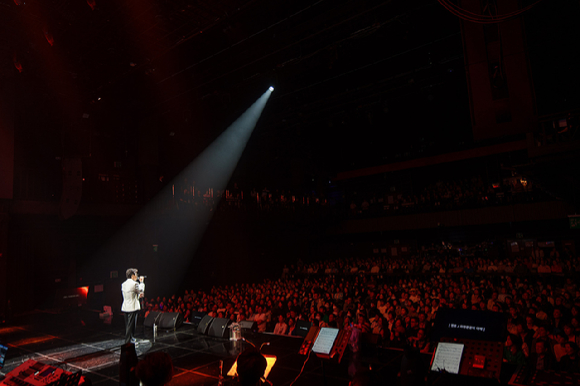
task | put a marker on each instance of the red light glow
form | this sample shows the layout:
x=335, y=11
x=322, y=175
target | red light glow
x=8, y=330
x=48, y=36
x=17, y=63
x=84, y=291
x=27, y=341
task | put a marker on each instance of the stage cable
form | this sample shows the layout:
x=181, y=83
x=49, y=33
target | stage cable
x=302, y=369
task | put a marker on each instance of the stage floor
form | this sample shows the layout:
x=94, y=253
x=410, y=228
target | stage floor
x=80, y=341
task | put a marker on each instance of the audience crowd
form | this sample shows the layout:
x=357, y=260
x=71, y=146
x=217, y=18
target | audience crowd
x=394, y=301
x=187, y=198
x=444, y=195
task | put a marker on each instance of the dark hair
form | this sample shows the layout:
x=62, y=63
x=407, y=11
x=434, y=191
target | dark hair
x=251, y=367
x=516, y=341
x=130, y=272
x=573, y=346
x=543, y=341
x=156, y=369
x=562, y=334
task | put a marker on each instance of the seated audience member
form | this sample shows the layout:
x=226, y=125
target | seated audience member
x=281, y=326
x=540, y=334
x=148, y=310
x=291, y=327
x=424, y=323
x=376, y=323
x=391, y=317
x=544, y=268
x=512, y=352
x=332, y=321
x=261, y=319
x=156, y=369
x=570, y=362
x=412, y=327
x=542, y=359
x=514, y=318
x=559, y=347
x=557, y=267
x=381, y=330
x=531, y=324
x=557, y=321
x=398, y=338
x=492, y=301
x=525, y=335
x=575, y=323
x=420, y=341
x=570, y=333
x=541, y=315
x=363, y=324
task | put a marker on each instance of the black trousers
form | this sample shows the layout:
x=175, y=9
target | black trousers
x=130, y=325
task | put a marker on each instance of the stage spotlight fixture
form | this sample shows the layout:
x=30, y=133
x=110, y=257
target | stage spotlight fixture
x=271, y=88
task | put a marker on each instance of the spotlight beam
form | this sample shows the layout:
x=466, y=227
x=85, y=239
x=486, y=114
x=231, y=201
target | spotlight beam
x=214, y=167
x=178, y=236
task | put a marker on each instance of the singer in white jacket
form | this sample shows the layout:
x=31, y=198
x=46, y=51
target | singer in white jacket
x=133, y=288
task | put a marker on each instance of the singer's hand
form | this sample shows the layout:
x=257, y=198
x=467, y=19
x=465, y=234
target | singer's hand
x=141, y=295
x=141, y=279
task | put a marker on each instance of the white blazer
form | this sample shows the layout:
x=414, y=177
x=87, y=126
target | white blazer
x=131, y=290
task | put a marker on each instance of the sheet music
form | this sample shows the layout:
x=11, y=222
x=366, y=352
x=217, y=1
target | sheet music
x=325, y=340
x=447, y=357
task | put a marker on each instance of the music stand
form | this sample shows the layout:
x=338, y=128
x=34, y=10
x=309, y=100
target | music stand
x=3, y=350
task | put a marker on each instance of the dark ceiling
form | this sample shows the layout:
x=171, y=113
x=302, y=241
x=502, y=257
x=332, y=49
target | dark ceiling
x=357, y=82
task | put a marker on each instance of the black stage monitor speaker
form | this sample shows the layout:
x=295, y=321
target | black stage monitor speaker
x=170, y=320
x=152, y=318
x=249, y=325
x=219, y=327
x=302, y=328
x=204, y=324
x=196, y=318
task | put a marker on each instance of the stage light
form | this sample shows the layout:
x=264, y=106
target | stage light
x=48, y=36
x=17, y=63
x=271, y=88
